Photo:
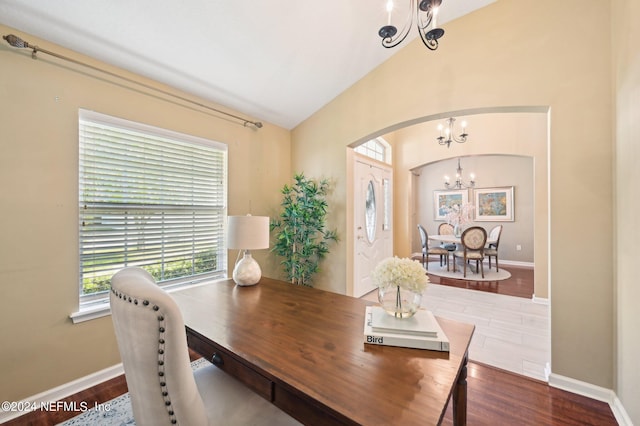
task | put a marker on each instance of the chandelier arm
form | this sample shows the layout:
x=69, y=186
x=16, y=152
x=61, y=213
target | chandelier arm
x=429, y=38
x=421, y=22
x=423, y=11
x=461, y=139
x=431, y=43
x=388, y=40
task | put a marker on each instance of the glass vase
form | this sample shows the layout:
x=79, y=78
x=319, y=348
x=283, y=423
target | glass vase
x=398, y=301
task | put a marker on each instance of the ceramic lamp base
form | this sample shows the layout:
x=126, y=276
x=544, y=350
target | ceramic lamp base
x=247, y=271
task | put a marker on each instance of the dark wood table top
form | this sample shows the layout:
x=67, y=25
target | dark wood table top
x=312, y=341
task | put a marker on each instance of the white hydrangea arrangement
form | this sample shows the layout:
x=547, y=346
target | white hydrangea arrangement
x=404, y=273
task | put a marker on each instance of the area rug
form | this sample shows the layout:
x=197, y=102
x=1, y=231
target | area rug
x=116, y=412
x=489, y=274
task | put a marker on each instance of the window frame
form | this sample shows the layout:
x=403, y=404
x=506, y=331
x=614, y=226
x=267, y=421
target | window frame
x=378, y=149
x=96, y=305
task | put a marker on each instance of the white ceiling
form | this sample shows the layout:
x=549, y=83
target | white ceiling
x=277, y=61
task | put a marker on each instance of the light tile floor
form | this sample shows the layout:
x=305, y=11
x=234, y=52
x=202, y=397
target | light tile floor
x=512, y=333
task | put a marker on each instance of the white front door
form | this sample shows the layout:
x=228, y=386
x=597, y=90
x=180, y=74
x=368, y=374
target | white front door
x=373, y=209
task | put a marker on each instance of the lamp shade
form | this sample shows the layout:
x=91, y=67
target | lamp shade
x=248, y=232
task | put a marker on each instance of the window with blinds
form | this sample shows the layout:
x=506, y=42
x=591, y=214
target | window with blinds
x=150, y=198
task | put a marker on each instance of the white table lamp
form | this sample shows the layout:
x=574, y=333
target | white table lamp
x=247, y=233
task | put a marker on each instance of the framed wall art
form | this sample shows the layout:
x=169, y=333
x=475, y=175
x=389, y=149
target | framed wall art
x=494, y=204
x=444, y=200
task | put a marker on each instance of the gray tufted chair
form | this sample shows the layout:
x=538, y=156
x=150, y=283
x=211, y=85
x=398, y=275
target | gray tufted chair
x=164, y=389
x=492, y=249
x=427, y=251
x=473, y=240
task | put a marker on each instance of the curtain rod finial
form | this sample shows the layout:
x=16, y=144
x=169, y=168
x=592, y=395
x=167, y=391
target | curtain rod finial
x=256, y=124
x=15, y=41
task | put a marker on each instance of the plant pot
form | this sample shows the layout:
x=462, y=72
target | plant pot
x=398, y=301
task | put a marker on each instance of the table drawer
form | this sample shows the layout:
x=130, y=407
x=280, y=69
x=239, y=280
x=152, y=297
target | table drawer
x=300, y=407
x=230, y=364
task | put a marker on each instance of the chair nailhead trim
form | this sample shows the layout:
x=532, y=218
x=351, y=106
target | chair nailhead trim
x=161, y=341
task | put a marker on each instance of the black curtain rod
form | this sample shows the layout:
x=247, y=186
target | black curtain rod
x=16, y=41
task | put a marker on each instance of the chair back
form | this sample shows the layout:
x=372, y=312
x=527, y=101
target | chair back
x=153, y=346
x=445, y=229
x=474, y=238
x=494, y=234
x=424, y=238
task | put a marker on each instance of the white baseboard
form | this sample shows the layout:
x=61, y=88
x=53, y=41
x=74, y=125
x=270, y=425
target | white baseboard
x=540, y=300
x=63, y=391
x=581, y=388
x=547, y=371
x=594, y=392
x=620, y=413
x=516, y=263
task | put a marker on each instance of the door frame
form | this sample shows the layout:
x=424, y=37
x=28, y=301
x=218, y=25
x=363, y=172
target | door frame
x=352, y=157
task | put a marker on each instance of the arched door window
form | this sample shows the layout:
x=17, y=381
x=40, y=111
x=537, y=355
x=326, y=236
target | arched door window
x=377, y=148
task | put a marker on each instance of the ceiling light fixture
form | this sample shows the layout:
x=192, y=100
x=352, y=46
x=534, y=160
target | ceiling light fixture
x=460, y=184
x=424, y=12
x=448, y=133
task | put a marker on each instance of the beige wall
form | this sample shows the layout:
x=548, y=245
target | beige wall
x=511, y=53
x=626, y=60
x=39, y=102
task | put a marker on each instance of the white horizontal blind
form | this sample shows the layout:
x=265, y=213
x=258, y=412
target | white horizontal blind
x=149, y=198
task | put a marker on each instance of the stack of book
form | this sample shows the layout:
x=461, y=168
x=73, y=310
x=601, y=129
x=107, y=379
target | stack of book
x=420, y=331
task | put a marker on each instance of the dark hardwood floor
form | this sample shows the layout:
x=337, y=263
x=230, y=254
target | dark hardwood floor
x=520, y=284
x=495, y=397
x=98, y=394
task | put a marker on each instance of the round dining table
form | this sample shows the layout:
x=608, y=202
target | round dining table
x=452, y=239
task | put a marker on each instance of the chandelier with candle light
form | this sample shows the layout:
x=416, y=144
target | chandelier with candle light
x=460, y=183
x=424, y=13
x=448, y=136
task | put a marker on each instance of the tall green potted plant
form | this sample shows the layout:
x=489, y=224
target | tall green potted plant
x=300, y=234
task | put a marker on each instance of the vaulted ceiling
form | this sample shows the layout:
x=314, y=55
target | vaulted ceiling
x=277, y=61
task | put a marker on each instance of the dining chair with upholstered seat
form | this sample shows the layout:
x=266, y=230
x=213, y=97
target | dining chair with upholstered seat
x=163, y=387
x=447, y=229
x=427, y=251
x=492, y=248
x=473, y=240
